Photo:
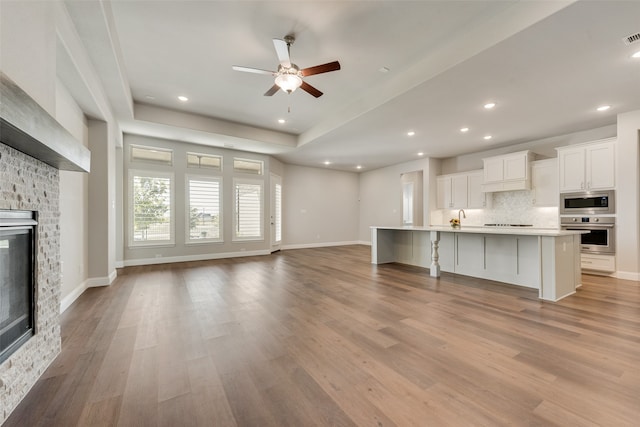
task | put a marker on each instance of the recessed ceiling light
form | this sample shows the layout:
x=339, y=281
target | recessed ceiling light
x=150, y=97
x=603, y=107
x=488, y=137
x=421, y=154
x=636, y=55
x=183, y=98
x=281, y=121
x=383, y=69
x=411, y=133
x=489, y=105
x=358, y=167
x=463, y=130
x=327, y=163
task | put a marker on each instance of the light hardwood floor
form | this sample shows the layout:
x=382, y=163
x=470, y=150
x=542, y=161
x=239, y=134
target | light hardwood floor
x=320, y=337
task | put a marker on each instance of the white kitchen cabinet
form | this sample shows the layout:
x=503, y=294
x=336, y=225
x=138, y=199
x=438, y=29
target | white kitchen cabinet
x=598, y=263
x=507, y=172
x=476, y=198
x=452, y=191
x=544, y=180
x=462, y=191
x=587, y=166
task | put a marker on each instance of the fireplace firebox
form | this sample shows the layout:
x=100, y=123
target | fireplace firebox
x=17, y=279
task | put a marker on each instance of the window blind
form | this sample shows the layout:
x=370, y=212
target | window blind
x=278, y=212
x=248, y=210
x=204, y=209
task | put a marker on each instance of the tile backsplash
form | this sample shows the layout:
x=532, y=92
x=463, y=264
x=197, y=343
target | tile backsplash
x=508, y=207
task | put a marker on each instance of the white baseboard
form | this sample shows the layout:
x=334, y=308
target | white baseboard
x=318, y=245
x=627, y=275
x=95, y=282
x=119, y=264
x=73, y=295
x=364, y=242
x=186, y=258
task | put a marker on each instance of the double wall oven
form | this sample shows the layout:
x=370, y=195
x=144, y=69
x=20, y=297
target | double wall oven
x=593, y=212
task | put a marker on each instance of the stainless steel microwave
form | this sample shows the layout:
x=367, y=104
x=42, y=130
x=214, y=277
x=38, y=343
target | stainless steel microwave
x=588, y=203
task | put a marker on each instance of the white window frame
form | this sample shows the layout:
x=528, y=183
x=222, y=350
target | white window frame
x=188, y=240
x=244, y=159
x=130, y=213
x=151, y=162
x=235, y=237
x=205, y=168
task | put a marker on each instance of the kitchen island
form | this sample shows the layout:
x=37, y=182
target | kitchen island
x=543, y=259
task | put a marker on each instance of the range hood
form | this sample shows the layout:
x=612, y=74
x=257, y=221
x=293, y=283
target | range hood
x=29, y=128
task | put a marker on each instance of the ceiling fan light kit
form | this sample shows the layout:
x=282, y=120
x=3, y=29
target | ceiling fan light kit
x=289, y=76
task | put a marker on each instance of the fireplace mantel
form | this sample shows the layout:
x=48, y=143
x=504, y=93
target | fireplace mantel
x=29, y=128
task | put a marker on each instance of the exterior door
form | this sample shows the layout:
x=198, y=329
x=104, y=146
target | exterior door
x=276, y=212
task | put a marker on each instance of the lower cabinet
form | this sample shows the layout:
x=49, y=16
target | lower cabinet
x=602, y=264
x=504, y=258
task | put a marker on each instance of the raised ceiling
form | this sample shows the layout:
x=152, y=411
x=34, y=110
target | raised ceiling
x=548, y=65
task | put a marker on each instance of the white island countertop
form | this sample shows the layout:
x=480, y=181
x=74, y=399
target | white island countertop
x=514, y=231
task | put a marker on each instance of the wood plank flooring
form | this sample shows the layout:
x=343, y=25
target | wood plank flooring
x=320, y=337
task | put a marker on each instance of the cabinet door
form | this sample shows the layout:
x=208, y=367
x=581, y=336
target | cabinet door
x=515, y=167
x=459, y=191
x=571, y=166
x=476, y=198
x=469, y=256
x=544, y=175
x=600, y=168
x=443, y=192
x=493, y=170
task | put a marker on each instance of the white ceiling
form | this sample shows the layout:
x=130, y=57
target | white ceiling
x=546, y=64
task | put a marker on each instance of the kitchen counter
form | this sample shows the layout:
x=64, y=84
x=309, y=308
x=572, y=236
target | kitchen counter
x=515, y=231
x=543, y=259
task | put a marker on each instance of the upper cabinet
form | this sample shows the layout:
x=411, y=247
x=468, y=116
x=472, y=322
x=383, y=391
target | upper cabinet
x=507, y=172
x=452, y=191
x=461, y=190
x=587, y=167
x=544, y=180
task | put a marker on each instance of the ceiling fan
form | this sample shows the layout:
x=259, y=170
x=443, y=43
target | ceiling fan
x=289, y=75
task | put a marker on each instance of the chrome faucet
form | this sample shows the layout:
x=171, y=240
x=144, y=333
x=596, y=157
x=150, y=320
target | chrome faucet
x=464, y=215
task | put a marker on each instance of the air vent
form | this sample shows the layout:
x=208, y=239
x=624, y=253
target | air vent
x=633, y=38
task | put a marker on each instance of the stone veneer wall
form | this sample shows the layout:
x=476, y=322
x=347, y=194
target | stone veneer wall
x=29, y=184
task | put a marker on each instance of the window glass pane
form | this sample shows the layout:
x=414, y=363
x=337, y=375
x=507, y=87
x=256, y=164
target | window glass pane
x=204, y=209
x=248, y=210
x=278, y=213
x=151, y=155
x=247, y=166
x=151, y=209
x=204, y=161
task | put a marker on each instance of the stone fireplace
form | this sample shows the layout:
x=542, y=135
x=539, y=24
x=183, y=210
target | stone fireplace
x=29, y=184
x=33, y=147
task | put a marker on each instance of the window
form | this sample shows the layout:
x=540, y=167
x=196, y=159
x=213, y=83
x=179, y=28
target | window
x=248, y=166
x=204, y=161
x=150, y=208
x=203, y=209
x=407, y=203
x=247, y=210
x=278, y=213
x=158, y=156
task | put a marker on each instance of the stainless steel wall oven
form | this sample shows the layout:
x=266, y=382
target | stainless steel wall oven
x=588, y=203
x=601, y=238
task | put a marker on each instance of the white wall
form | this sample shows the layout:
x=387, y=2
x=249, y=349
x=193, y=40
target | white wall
x=627, y=198
x=319, y=207
x=381, y=195
x=28, y=49
x=73, y=204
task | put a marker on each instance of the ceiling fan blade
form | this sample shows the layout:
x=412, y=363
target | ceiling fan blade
x=319, y=69
x=253, y=70
x=282, y=50
x=310, y=90
x=272, y=91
